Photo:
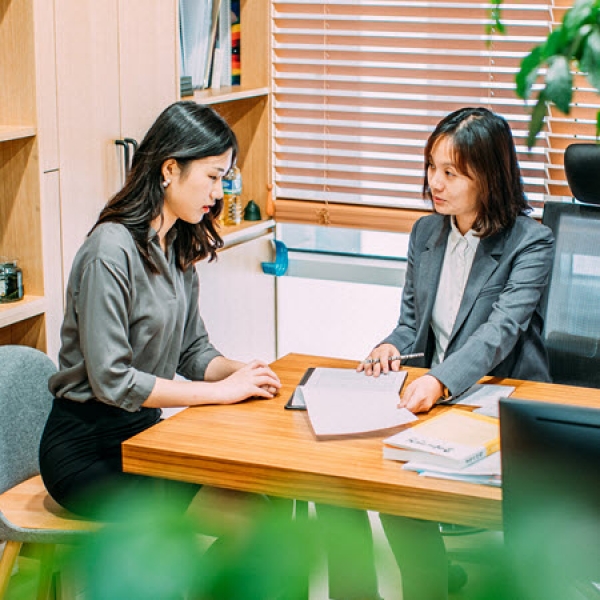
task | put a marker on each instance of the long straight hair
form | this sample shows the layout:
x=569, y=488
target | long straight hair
x=184, y=131
x=484, y=150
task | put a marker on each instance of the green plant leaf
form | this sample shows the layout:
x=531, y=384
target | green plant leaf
x=590, y=60
x=554, y=44
x=528, y=73
x=579, y=41
x=537, y=120
x=577, y=15
x=559, y=83
x=495, y=15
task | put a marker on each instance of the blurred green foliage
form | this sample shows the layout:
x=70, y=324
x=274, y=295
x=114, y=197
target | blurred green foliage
x=547, y=71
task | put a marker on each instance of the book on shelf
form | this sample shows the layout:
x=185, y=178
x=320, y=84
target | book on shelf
x=224, y=41
x=236, y=64
x=343, y=402
x=205, y=39
x=185, y=86
x=454, y=438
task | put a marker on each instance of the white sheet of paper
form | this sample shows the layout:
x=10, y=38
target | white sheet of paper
x=490, y=465
x=492, y=480
x=486, y=396
x=348, y=379
x=346, y=402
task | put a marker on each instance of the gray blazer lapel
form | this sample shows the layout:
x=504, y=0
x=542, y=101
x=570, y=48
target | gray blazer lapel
x=484, y=264
x=430, y=267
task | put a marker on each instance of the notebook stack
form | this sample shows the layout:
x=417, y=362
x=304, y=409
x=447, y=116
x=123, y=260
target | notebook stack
x=456, y=444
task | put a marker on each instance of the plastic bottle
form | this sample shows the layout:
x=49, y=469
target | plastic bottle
x=232, y=197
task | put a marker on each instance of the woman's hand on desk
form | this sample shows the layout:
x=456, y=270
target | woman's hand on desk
x=380, y=361
x=227, y=382
x=253, y=379
x=422, y=394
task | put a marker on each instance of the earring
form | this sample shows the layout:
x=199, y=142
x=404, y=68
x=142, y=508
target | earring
x=166, y=183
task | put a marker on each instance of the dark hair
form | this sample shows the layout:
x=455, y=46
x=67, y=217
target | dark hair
x=184, y=131
x=483, y=148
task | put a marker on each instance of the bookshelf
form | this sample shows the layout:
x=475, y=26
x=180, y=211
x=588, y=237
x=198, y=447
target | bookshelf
x=23, y=321
x=246, y=107
x=43, y=109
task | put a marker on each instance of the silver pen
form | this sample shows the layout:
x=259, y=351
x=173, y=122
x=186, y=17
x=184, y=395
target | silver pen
x=374, y=361
x=407, y=356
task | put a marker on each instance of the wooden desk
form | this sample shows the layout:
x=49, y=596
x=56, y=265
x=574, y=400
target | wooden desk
x=257, y=446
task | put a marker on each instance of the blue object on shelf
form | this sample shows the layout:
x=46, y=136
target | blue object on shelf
x=280, y=266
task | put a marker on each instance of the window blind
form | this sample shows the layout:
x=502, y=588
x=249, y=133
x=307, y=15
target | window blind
x=359, y=85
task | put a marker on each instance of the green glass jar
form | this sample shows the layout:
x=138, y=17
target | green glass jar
x=11, y=280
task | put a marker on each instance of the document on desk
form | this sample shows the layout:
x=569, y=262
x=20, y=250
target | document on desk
x=484, y=395
x=343, y=402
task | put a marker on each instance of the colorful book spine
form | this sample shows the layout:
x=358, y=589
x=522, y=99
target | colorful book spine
x=236, y=65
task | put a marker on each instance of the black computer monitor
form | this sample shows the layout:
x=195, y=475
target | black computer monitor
x=551, y=499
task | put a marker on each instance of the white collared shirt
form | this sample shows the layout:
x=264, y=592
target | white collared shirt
x=458, y=260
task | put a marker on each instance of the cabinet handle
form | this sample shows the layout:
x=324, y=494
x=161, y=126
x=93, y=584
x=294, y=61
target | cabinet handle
x=134, y=145
x=126, y=159
x=280, y=266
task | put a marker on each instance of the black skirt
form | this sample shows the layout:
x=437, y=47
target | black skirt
x=80, y=457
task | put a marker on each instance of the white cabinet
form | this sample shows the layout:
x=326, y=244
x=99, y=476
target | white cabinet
x=237, y=300
x=116, y=71
x=321, y=310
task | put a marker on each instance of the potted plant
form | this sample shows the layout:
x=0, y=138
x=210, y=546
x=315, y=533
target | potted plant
x=573, y=46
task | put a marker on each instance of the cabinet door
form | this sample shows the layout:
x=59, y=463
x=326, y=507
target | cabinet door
x=148, y=66
x=88, y=114
x=237, y=301
x=53, y=282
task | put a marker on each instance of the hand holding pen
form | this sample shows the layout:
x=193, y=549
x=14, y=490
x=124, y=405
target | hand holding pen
x=383, y=359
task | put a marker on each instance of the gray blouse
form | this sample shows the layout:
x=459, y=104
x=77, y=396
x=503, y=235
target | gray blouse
x=124, y=326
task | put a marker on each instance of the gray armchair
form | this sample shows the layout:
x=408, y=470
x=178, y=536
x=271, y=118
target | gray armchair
x=27, y=513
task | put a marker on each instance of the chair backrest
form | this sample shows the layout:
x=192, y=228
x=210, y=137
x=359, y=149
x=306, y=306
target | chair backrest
x=572, y=302
x=582, y=166
x=25, y=402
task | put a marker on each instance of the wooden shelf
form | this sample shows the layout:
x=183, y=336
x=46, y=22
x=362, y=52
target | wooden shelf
x=246, y=230
x=29, y=306
x=227, y=94
x=16, y=132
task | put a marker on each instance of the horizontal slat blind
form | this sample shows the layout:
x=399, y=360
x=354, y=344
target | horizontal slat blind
x=359, y=86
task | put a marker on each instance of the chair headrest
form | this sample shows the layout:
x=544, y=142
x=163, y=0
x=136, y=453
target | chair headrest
x=582, y=168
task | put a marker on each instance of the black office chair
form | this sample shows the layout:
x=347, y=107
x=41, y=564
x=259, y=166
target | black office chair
x=572, y=301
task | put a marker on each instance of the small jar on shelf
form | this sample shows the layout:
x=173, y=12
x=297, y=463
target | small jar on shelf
x=11, y=280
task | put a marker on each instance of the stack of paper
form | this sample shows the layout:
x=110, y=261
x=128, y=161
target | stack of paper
x=344, y=402
x=455, y=439
x=486, y=471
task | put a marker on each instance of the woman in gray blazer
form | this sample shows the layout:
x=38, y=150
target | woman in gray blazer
x=477, y=269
